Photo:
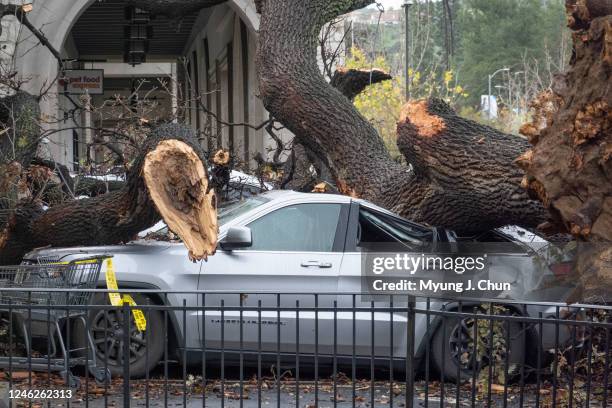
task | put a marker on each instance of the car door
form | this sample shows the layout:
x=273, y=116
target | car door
x=296, y=248
x=369, y=225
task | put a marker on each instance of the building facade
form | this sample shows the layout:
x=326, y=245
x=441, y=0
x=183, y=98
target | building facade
x=205, y=60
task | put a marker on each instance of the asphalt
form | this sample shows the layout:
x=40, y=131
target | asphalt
x=269, y=397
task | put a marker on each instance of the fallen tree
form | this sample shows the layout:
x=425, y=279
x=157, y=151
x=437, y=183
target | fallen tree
x=463, y=176
x=460, y=174
x=168, y=179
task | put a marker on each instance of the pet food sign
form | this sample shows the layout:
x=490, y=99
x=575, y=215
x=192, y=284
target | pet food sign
x=83, y=81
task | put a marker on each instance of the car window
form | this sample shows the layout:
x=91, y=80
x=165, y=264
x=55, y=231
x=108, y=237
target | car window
x=301, y=227
x=377, y=227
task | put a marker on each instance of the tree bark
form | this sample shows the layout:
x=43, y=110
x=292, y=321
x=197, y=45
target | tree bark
x=117, y=216
x=569, y=167
x=580, y=13
x=298, y=173
x=325, y=121
x=467, y=171
x=351, y=82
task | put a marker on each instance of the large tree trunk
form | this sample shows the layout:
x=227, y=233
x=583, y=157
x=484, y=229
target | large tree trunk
x=326, y=122
x=570, y=166
x=174, y=186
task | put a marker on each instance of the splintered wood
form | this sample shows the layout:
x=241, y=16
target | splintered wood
x=427, y=125
x=178, y=185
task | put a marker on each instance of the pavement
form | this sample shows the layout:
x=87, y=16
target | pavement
x=383, y=398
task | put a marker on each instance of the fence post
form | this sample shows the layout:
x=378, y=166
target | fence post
x=410, y=330
x=126, y=355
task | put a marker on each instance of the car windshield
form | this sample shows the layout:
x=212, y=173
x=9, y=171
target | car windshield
x=234, y=209
x=226, y=212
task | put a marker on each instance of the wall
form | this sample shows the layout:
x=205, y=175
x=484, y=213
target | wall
x=223, y=28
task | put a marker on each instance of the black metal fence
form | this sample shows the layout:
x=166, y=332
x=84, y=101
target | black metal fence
x=307, y=350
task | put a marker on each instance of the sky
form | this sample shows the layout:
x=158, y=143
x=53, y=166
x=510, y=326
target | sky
x=391, y=3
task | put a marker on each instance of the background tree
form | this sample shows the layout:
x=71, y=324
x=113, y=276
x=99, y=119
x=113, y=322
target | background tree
x=505, y=33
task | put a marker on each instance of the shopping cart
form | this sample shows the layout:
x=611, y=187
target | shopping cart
x=39, y=313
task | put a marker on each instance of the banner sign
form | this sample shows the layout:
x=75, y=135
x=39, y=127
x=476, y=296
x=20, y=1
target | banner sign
x=83, y=81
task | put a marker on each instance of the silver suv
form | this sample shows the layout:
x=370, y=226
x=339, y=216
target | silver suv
x=292, y=243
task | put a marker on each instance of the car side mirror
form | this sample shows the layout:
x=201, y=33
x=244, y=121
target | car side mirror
x=237, y=238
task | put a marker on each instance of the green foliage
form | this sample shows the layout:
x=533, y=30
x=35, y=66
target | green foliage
x=506, y=33
x=523, y=35
x=381, y=103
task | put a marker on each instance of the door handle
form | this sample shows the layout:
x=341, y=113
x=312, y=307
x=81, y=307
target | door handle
x=316, y=264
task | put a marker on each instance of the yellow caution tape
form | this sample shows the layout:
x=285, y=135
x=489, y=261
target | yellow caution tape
x=117, y=300
x=139, y=318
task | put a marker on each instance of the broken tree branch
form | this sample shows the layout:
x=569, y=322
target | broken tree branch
x=176, y=183
x=351, y=82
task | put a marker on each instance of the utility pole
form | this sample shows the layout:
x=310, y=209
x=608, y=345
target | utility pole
x=406, y=6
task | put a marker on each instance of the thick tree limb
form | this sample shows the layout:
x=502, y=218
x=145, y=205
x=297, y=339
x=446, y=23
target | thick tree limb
x=299, y=167
x=117, y=216
x=468, y=169
x=570, y=166
x=351, y=82
x=295, y=92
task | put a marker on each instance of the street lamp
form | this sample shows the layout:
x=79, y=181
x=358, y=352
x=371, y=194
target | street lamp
x=406, y=6
x=489, y=94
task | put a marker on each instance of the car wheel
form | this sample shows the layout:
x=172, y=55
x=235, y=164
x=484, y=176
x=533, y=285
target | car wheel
x=106, y=328
x=452, y=349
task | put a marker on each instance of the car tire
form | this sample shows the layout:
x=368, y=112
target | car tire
x=445, y=347
x=150, y=344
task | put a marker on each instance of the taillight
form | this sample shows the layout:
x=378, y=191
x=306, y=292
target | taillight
x=562, y=269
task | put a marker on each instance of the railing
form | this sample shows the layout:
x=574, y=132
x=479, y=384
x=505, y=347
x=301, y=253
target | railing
x=303, y=349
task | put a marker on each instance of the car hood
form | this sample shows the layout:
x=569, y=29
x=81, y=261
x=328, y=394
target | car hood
x=137, y=247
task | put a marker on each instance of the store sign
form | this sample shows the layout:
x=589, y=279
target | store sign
x=83, y=81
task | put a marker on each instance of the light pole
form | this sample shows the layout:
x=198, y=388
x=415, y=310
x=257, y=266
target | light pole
x=489, y=94
x=406, y=6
